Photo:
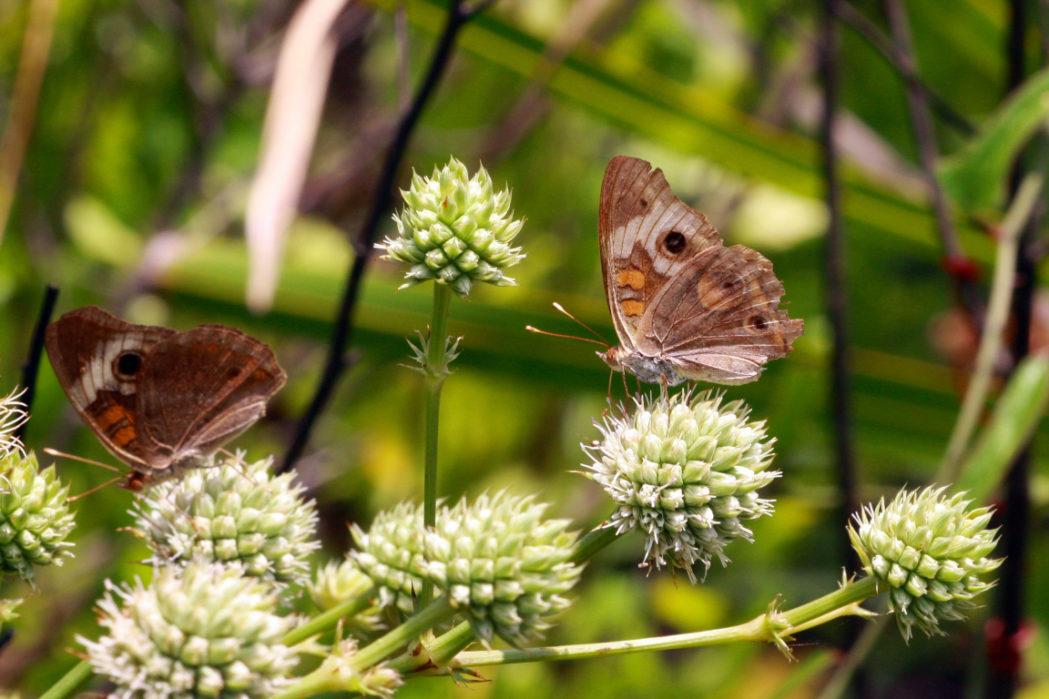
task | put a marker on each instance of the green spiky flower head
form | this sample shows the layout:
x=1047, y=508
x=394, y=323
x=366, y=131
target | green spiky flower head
x=930, y=550
x=391, y=554
x=35, y=519
x=684, y=470
x=455, y=229
x=503, y=565
x=204, y=630
x=232, y=512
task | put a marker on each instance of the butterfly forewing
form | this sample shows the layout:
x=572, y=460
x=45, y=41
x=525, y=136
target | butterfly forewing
x=682, y=302
x=647, y=236
x=95, y=357
x=159, y=399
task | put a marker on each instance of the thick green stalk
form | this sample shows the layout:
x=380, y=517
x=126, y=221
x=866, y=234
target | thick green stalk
x=413, y=627
x=327, y=620
x=436, y=371
x=70, y=682
x=770, y=627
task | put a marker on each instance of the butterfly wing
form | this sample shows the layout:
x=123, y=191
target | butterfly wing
x=719, y=320
x=648, y=236
x=94, y=357
x=202, y=387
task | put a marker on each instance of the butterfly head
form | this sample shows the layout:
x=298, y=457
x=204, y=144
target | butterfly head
x=648, y=369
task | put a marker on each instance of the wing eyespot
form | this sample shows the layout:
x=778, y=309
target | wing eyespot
x=127, y=365
x=758, y=323
x=674, y=242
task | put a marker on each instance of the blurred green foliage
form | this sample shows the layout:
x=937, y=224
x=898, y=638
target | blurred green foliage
x=132, y=195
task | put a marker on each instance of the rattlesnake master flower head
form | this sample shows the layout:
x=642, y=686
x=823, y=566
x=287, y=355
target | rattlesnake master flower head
x=232, y=512
x=502, y=565
x=684, y=470
x=455, y=230
x=391, y=553
x=200, y=631
x=35, y=519
x=930, y=550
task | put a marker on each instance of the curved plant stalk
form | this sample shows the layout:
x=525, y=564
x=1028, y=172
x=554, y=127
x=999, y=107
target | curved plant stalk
x=997, y=315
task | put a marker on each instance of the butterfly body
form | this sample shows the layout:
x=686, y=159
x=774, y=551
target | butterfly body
x=685, y=306
x=160, y=400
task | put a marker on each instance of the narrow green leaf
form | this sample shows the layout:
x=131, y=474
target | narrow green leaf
x=975, y=177
x=1017, y=414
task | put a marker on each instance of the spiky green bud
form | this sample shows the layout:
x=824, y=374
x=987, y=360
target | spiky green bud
x=930, y=551
x=232, y=512
x=391, y=554
x=684, y=470
x=455, y=230
x=35, y=519
x=503, y=565
x=200, y=631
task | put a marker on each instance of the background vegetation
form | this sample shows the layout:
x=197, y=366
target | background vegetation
x=132, y=192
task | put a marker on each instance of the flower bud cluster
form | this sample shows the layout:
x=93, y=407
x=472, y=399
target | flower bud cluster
x=232, y=512
x=684, y=470
x=455, y=230
x=35, y=518
x=204, y=630
x=930, y=550
x=500, y=563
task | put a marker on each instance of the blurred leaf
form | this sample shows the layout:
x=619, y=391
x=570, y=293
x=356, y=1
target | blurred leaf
x=100, y=234
x=975, y=177
x=1017, y=414
x=693, y=121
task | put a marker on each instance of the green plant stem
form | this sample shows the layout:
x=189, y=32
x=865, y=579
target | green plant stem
x=327, y=620
x=593, y=541
x=70, y=682
x=436, y=371
x=772, y=626
x=997, y=316
x=385, y=646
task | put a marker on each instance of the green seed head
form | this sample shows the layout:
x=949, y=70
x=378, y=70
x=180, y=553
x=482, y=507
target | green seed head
x=684, y=470
x=200, y=631
x=35, y=519
x=455, y=230
x=503, y=565
x=930, y=551
x=391, y=554
x=232, y=512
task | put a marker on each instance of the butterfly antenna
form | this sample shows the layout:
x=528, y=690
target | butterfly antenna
x=73, y=457
x=559, y=307
x=106, y=484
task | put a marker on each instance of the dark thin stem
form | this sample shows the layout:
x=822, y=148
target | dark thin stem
x=342, y=332
x=1004, y=661
x=36, y=348
x=836, y=287
x=835, y=263
x=897, y=57
x=928, y=153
